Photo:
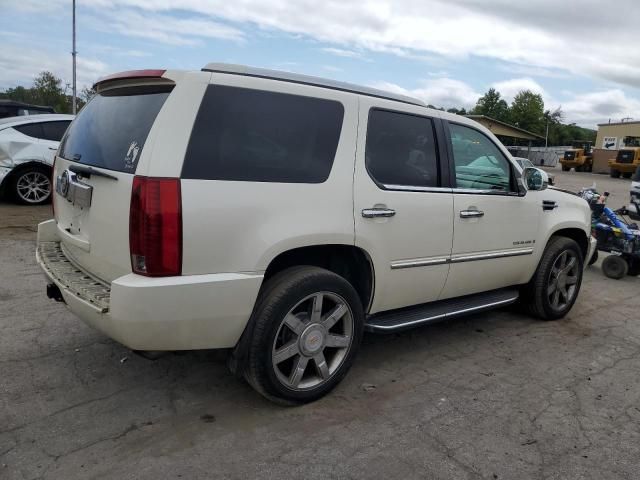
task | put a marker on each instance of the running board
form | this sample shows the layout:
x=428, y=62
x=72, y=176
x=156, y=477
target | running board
x=404, y=318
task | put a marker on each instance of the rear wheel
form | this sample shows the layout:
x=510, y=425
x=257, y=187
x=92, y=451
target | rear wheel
x=615, y=267
x=565, y=169
x=32, y=185
x=614, y=173
x=579, y=168
x=555, y=285
x=307, y=330
x=627, y=174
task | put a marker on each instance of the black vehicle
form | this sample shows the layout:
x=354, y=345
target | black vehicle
x=11, y=108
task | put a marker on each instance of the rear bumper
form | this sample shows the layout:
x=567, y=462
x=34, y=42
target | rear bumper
x=142, y=313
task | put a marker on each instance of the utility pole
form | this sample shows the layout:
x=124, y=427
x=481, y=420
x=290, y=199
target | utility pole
x=73, y=54
x=546, y=136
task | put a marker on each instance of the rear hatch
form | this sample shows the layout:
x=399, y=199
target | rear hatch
x=94, y=173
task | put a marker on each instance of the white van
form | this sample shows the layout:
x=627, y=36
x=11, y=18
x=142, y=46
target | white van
x=279, y=216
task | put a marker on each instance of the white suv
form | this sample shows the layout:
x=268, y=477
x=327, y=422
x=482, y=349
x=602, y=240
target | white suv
x=280, y=215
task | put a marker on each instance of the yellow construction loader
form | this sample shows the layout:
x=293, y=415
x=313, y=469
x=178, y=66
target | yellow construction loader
x=625, y=163
x=580, y=157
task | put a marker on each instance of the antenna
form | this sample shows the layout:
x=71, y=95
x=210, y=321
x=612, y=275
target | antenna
x=73, y=55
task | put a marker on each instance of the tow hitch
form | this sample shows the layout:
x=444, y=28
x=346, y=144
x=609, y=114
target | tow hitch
x=54, y=292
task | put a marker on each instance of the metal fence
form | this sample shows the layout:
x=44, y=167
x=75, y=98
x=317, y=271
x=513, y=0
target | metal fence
x=547, y=156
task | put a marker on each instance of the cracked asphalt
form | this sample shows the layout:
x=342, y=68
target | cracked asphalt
x=496, y=396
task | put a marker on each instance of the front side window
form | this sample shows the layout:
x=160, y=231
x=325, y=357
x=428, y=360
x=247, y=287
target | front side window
x=479, y=163
x=401, y=150
x=260, y=136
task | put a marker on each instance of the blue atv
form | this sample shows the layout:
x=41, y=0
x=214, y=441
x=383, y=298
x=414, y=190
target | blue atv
x=614, y=235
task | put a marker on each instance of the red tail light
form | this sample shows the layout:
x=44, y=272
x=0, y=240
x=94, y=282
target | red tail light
x=155, y=227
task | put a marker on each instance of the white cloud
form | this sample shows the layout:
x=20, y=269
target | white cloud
x=165, y=28
x=341, y=52
x=510, y=88
x=599, y=40
x=598, y=107
x=440, y=92
x=19, y=63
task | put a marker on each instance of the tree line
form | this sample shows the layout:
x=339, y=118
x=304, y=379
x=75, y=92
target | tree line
x=48, y=90
x=527, y=110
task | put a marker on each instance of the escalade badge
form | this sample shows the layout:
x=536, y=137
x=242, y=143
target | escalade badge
x=63, y=184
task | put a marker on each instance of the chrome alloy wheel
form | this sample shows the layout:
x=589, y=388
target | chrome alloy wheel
x=33, y=187
x=563, y=279
x=312, y=341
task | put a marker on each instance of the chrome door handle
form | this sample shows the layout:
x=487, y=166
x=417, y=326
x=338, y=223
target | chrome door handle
x=471, y=213
x=378, y=212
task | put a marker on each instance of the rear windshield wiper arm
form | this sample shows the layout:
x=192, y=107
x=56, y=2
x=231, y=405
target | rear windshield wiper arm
x=88, y=171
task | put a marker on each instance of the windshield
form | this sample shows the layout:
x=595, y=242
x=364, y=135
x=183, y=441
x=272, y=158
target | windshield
x=111, y=129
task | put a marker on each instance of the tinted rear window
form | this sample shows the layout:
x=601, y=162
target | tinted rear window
x=111, y=129
x=253, y=135
x=401, y=149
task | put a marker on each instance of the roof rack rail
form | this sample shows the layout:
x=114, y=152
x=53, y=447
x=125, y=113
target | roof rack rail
x=308, y=80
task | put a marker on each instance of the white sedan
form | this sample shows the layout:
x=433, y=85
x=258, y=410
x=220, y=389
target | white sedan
x=27, y=147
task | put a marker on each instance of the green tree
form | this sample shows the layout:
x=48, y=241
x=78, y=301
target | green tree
x=47, y=90
x=457, y=111
x=492, y=105
x=527, y=111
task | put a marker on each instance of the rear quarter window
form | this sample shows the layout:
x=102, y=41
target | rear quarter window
x=33, y=130
x=110, y=131
x=253, y=135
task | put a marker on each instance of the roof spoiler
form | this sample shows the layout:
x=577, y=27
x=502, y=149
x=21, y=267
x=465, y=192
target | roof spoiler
x=130, y=74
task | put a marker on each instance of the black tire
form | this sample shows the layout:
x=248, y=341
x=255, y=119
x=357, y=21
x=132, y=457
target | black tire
x=614, y=173
x=565, y=169
x=21, y=177
x=277, y=299
x=594, y=258
x=536, y=297
x=627, y=174
x=579, y=168
x=615, y=267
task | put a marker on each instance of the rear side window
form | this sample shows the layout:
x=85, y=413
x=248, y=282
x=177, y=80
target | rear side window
x=401, y=149
x=33, y=130
x=54, y=130
x=111, y=129
x=259, y=136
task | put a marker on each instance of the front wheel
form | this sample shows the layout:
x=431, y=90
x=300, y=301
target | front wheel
x=554, y=287
x=614, y=173
x=565, y=169
x=308, y=324
x=627, y=174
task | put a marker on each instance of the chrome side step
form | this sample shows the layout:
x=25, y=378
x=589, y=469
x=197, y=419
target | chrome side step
x=404, y=318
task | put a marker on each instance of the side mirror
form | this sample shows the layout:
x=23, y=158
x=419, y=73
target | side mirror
x=535, y=179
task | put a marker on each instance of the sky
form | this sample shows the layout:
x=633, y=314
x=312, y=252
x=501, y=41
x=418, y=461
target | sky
x=580, y=55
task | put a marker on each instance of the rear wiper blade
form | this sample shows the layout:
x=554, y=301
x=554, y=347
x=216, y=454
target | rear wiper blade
x=88, y=171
